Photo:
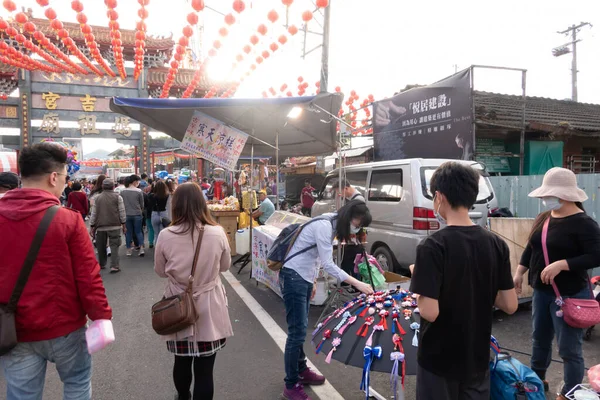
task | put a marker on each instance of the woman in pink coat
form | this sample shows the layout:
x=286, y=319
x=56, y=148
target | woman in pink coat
x=198, y=344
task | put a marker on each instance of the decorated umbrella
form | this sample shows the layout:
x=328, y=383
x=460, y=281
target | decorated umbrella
x=72, y=163
x=376, y=333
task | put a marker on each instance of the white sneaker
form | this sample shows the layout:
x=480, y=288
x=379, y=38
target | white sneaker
x=128, y=253
x=141, y=254
x=108, y=252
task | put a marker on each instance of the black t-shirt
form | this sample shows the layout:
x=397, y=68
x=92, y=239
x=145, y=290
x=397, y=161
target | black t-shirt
x=158, y=204
x=463, y=267
x=576, y=239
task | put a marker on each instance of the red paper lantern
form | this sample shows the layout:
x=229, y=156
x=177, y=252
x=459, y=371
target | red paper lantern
x=262, y=29
x=266, y=54
x=143, y=13
x=29, y=27
x=3, y=25
x=322, y=3
x=252, y=67
x=273, y=16
x=307, y=16
x=77, y=6
x=192, y=18
x=273, y=47
x=289, y=94
x=9, y=5
x=144, y=2
x=273, y=92
x=188, y=31
x=282, y=39
x=10, y=31
x=174, y=64
x=81, y=18
x=112, y=15
x=212, y=52
x=292, y=30
x=264, y=94
x=198, y=5
x=239, y=58
x=179, y=49
x=140, y=35
x=56, y=24
x=29, y=45
x=239, y=6
x=247, y=49
x=229, y=19
x=254, y=39
x=21, y=18
x=69, y=42
x=353, y=93
x=111, y=3
x=115, y=34
x=179, y=57
x=217, y=44
x=283, y=87
x=305, y=85
x=20, y=38
x=318, y=84
x=300, y=79
x=141, y=26
x=223, y=31
x=183, y=41
x=371, y=98
x=287, y=3
x=259, y=60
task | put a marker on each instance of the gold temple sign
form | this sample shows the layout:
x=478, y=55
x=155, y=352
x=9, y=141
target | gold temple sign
x=50, y=99
x=121, y=126
x=87, y=125
x=50, y=124
x=80, y=80
x=11, y=112
x=88, y=103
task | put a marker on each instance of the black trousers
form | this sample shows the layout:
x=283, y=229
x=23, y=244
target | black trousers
x=202, y=374
x=433, y=387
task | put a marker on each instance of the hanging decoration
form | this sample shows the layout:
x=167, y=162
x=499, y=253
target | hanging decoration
x=88, y=35
x=140, y=39
x=239, y=6
x=115, y=34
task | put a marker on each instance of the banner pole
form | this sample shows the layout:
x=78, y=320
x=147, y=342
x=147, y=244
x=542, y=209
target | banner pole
x=473, y=111
x=277, y=170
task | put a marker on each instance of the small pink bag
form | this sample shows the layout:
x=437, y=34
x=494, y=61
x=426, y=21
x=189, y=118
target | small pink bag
x=99, y=334
x=578, y=313
x=594, y=377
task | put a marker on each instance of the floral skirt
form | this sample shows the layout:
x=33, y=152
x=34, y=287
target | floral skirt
x=195, y=349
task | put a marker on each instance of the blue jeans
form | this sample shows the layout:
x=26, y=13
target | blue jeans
x=296, y=297
x=150, y=231
x=134, y=227
x=157, y=222
x=545, y=325
x=25, y=367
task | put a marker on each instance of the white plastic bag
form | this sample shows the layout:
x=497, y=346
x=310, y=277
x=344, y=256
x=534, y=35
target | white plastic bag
x=99, y=334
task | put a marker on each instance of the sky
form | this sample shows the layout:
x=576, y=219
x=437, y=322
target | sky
x=380, y=46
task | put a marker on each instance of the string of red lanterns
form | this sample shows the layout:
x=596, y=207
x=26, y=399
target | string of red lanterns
x=187, y=32
x=69, y=43
x=90, y=40
x=115, y=35
x=140, y=39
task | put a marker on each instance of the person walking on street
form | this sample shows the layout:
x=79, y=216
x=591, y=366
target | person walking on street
x=307, y=198
x=106, y=222
x=158, y=201
x=297, y=279
x=64, y=287
x=8, y=181
x=78, y=201
x=461, y=272
x=134, y=208
x=573, y=246
x=195, y=347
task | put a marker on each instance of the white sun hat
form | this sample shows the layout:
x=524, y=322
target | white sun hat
x=561, y=183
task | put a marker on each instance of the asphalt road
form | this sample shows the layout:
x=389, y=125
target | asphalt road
x=138, y=366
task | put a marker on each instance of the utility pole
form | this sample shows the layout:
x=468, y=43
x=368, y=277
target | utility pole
x=325, y=50
x=559, y=51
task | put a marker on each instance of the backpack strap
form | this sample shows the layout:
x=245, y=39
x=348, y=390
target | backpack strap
x=297, y=233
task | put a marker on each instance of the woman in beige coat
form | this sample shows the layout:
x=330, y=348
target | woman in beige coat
x=174, y=255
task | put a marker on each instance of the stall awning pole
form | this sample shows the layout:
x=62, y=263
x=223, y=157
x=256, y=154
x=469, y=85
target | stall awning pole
x=277, y=171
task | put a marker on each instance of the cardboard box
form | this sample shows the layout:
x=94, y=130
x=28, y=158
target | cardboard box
x=393, y=280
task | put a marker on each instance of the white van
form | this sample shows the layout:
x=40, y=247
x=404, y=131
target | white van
x=397, y=194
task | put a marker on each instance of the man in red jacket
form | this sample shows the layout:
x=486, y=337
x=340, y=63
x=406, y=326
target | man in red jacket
x=64, y=286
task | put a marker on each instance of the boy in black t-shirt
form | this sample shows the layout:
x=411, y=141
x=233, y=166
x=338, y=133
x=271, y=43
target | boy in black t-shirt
x=460, y=273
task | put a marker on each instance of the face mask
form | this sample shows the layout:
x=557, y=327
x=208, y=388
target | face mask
x=354, y=230
x=438, y=216
x=551, y=203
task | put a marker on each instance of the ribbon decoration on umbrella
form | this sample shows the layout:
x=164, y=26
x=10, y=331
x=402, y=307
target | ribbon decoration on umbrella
x=326, y=335
x=397, y=357
x=345, y=317
x=351, y=320
x=415, y=326
x=369, y=354
x=364, y=329
x=335, y=343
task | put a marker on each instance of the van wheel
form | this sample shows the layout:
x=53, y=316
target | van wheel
x=385, y=258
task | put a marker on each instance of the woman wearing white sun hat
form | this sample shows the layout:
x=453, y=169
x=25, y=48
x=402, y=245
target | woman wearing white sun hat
x=573, y=243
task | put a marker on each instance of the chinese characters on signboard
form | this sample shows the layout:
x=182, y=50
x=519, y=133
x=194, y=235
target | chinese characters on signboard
x=209, y=139
x=261, y=243
x=426, y=122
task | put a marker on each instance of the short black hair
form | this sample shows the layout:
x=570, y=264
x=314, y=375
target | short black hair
x=42, y=158
x=76, y=186
x=134, y=178
x=307, y=181
x=351, y=210
x=458, y=182
x=345, y=183
x=205, y=180
x=144, y=176
x=150, y=181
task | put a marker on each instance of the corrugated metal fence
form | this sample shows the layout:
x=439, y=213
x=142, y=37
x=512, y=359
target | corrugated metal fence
x=511, y=192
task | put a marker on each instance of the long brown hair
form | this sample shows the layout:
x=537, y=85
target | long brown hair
x=189, y=208
x=542, y=217
x=160, y=190
x=98, y=187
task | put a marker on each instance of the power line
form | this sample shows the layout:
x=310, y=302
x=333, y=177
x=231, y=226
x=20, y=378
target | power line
x=561, y=50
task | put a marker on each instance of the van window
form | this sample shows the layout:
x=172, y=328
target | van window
x=485, y=190
x=386, y=185
x=358, y=180
x=330, y=188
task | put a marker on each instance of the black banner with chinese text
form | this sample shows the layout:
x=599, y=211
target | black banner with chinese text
x=426, y=122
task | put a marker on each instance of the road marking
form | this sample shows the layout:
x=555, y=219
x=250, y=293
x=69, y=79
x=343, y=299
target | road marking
x=325, y=391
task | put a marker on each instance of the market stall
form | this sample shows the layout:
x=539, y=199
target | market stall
x=226, y=213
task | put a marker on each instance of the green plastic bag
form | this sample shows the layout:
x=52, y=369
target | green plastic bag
x=378, y=278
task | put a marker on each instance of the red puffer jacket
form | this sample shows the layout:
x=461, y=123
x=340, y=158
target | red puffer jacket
x=65, y=283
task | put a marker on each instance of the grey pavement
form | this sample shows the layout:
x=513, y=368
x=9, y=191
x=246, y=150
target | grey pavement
x=138, y=366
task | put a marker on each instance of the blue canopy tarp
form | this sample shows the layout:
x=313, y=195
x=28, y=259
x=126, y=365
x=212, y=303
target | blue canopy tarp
x=313, y=132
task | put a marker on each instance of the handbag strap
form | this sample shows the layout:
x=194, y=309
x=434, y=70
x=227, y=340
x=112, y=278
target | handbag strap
x=198, y=245
x=547, y=260
x=30, y=258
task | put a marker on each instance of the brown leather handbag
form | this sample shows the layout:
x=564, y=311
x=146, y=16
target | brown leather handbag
x=175, y=313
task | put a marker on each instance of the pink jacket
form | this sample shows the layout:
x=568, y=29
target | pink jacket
x=173, y=259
